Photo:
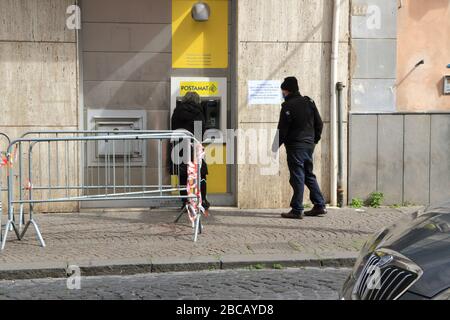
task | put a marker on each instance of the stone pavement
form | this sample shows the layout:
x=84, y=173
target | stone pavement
x=288, y=284
x=151, y=240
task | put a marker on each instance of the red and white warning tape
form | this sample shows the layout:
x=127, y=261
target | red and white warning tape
x=193, y=184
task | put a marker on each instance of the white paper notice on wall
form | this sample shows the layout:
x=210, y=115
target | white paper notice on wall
x=264, y=92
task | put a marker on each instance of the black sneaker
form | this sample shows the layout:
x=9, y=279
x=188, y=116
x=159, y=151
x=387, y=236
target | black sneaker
x=292, y=215
x=316, y=211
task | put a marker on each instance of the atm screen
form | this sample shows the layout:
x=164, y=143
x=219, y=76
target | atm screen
x=211, y=108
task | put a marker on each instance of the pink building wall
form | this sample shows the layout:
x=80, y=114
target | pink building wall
x=423, y=33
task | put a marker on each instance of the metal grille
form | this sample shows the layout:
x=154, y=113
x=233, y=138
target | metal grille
x=387, y=282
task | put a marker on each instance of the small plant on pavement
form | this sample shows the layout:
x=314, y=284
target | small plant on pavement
x=356, y=203
x=277, y=266
x=404, y=204
x=257, y=266
x=375, y=199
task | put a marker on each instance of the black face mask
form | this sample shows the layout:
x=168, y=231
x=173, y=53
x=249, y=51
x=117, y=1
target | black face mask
x=288, y=94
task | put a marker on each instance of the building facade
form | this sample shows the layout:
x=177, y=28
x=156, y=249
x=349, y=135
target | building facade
x=122, y=58
x=399, y=121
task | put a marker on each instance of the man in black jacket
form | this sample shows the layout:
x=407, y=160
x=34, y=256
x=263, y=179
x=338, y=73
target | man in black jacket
x=300, y=129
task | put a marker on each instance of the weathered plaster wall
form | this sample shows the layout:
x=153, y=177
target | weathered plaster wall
x=423, y=33
x=279, y=38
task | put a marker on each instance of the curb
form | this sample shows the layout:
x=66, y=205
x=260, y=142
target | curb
x=174, y=264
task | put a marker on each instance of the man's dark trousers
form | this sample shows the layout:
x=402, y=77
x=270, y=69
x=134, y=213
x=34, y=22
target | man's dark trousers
x=300, y=162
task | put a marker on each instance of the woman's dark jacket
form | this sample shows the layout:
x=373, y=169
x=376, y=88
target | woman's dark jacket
x=184, y=117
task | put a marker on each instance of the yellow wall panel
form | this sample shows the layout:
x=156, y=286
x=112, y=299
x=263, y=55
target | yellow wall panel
x=199, y=45
x=217, y=172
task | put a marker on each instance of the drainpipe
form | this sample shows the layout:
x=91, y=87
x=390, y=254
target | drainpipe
x=340, y=180
x=333, y=107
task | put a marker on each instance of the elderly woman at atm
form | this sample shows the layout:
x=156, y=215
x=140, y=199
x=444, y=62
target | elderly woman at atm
x=185, y=116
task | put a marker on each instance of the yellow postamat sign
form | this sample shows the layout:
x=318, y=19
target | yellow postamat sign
x=203, y=88
x=199, y=45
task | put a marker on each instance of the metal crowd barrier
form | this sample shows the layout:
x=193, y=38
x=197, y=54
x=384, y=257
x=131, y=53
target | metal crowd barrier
x=4, y=143
x=43, y=168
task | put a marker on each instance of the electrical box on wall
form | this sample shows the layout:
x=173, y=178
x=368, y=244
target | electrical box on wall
x=117, y=120
x=447, y=85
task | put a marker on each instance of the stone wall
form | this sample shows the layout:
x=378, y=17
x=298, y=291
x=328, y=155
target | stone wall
x=38, y=68
x=374, y=55
x=279, y=38
x=404, y=155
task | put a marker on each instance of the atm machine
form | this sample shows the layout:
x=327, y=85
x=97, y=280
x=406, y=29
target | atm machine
x=211, y=108
x=213, y=93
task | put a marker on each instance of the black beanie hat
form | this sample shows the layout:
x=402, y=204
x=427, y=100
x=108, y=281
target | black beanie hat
x=290, y=84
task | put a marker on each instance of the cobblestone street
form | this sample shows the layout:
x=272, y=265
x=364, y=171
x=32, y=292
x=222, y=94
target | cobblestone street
x=116, y=235
x=295, y=284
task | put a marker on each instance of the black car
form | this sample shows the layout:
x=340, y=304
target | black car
x=407, y=261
